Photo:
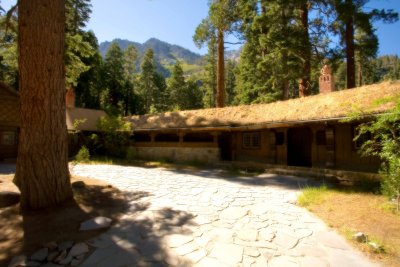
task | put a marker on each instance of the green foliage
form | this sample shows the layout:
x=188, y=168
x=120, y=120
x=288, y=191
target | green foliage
x=8, y=51
x=384, y=143
x=118, y=95
x=130, y=154
x=151, y=86
x=83, y=155
x=210, y=79
x=312, y=195
x=90, y=83
x=114, y=136
x=77, y=50
x=230, y=82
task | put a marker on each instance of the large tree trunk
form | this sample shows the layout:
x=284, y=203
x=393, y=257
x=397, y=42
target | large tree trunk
x=42, y=166
x=221, y=71
x=304, y=83
x=351, y=67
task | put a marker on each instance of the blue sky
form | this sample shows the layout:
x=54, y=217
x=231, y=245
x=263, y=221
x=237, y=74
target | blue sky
x=174, y=21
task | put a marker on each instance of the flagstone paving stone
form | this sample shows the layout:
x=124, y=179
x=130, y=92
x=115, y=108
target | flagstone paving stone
x=199, y=218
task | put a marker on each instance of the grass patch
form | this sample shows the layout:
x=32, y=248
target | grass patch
x=313, y=196
x=354, y=209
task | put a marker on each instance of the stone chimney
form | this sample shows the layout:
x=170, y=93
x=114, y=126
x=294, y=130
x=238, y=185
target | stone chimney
x=326, y=80
x=70, y=98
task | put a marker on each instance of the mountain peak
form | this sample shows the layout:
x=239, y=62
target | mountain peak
x=162, y=50
x=164, y=53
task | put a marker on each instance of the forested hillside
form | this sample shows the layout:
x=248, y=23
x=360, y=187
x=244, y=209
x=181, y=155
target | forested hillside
x=284, y=44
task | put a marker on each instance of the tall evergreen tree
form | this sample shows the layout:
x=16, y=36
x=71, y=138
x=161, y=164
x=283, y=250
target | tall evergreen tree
x=130, y=61
x=219, y=23
x=8, y=50
x=42, y=173
x=352, y=16
x=90, y=83
x=151, y=86
x=176, y=86
x=114, y=79
x=230, y=82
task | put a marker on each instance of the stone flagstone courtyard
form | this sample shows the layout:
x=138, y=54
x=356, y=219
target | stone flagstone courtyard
x=198, y=218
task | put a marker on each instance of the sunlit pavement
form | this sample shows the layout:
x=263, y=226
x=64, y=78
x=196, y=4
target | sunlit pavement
x=201, y=218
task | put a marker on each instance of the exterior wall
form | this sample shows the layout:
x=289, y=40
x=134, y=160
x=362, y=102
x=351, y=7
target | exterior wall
x=332, y=147
x=8, y=142
x=347, y=157
x=266, y=153
x=179, y=154
x=9, y=122
x=335, y=151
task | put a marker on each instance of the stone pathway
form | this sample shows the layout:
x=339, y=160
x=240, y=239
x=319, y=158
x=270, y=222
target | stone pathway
x=189, y=218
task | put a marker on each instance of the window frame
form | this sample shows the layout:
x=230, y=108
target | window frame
x=251, y=140
x=11, y=140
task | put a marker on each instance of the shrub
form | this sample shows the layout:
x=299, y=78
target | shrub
x=130, y=154
x=114, y=136
x=83, y=155
x=385, y=143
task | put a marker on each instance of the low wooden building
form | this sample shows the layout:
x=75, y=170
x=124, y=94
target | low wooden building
x=9, y=121
x=307, y=131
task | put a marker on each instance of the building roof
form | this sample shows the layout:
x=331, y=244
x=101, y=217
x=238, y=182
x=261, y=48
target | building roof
x=9, y=112
x=323, y=107
x=89, y=118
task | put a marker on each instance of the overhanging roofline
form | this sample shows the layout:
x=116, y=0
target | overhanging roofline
x=259, y=126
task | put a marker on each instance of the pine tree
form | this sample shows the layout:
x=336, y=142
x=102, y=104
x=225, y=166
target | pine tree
x=352, y=16
x=147, y=87
x=130, y=61
x=90, y=83
x=42, y=173
x=230, y=82
x=222, y=16
x=114, y=78
x=8, y=51
x=176, y=86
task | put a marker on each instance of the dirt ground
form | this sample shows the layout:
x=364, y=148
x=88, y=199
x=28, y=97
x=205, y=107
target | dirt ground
x=24, y=234
x=363, y=212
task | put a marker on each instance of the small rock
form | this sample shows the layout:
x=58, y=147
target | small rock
x=61, y=256
x=78, y=249
x=66, y=260
x=78, y=184
x=40, y=255
x=360, y=237
x=95, y=224
x=52, y=255
x=50, y=245
x=375, y=247
x=65, y=245
x=19, y=260
x=50, y=264
x=33, y=263
x=8, y=198
x=76, y=262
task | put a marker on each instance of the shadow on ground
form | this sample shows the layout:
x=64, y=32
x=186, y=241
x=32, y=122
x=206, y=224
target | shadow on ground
x=137, y=232
x=263, y=179
x=7, y=168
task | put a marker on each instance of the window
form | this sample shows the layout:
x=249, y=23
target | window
x=321, y=138
x=198, y=137
x=167, y=138
x=140, y=137
x=252, y=140
x=279, y=138
x=8, y=138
